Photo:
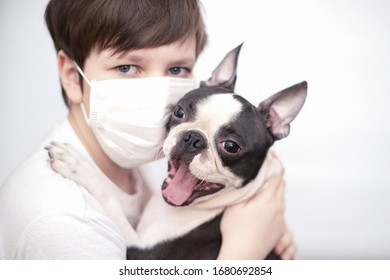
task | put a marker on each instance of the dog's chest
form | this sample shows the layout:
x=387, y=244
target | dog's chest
x=202, y=242
x=161, y=222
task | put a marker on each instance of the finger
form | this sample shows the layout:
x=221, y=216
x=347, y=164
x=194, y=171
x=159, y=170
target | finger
x=289, y=253
x=284, y=243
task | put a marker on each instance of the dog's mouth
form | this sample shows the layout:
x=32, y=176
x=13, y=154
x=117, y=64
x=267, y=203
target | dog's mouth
x=181, y=187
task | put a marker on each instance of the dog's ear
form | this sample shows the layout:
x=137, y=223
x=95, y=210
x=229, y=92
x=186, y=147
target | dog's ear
x=226, y=72
x=280, y=109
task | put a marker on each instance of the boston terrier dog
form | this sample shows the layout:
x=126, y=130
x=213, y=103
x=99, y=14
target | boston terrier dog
x=218, y=152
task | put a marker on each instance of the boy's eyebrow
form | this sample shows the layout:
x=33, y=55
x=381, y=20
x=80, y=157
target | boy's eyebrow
x=184, y=61
x=125, y=54
x=138, y=58
x=133, y=57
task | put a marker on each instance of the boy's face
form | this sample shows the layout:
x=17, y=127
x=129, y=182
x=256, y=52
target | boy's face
x=174, y=60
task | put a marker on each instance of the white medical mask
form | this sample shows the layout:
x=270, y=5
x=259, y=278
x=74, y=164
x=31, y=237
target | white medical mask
x=128, y=116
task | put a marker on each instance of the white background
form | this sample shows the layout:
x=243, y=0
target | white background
x=337, y=156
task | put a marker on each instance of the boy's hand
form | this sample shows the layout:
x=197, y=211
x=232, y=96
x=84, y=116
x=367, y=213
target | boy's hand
x=251, y=229
x=286, y=247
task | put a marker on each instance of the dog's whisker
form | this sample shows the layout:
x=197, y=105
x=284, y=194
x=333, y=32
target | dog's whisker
x=200, y=182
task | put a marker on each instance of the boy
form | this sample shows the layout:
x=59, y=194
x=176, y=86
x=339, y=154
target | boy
x=43, y=215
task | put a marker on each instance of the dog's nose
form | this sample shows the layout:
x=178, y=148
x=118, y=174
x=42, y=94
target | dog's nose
x=194, y=141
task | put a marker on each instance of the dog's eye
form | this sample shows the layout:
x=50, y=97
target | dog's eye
x=231, y=146
x=179, y=112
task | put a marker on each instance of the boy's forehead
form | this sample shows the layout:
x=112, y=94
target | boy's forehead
x=181, y=51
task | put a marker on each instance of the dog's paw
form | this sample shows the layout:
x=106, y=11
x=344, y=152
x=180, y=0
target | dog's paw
x=65, y=160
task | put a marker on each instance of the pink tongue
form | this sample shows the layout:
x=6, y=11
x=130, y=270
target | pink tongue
x=180, y=188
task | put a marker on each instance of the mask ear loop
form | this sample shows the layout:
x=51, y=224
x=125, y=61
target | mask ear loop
x=88, y=121
x=82, y=74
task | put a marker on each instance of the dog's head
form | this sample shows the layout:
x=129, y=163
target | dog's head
x=217, y=141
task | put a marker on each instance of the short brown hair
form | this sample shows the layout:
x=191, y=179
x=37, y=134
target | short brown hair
x=79, y=26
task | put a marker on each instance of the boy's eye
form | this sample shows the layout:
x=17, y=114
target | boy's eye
x=127, y=68
x=179, y=71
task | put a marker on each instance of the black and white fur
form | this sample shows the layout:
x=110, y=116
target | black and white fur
x=218, y=149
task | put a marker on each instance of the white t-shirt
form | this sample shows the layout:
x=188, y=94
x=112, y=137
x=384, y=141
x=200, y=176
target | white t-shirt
x=46, y=216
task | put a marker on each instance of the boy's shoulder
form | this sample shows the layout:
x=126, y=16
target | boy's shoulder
x=33, y=193
x=35, y=185
x=35, y=200
x=40, y=211
x=34, y=190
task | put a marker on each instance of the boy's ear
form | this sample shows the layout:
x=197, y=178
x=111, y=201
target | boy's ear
x=69, y=78
x=280, y=109
x=226, y=72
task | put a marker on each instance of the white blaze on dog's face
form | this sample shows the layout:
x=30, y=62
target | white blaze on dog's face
x=212, y=114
